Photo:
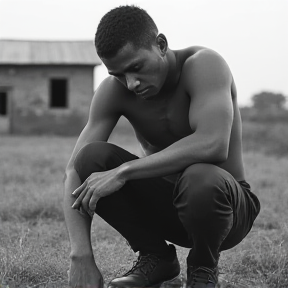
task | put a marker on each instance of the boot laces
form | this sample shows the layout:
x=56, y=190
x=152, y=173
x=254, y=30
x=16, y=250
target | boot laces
x=201, y=275
x=145, y=264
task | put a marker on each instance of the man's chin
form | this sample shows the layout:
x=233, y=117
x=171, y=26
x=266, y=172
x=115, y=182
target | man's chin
x=149, y=95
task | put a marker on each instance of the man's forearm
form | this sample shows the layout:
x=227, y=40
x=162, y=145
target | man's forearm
x=175, y=158
x=78, y=225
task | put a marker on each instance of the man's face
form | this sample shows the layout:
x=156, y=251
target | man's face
x=142, y=71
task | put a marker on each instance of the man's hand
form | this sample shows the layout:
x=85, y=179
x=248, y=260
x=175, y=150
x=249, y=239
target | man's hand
x=97, y=185
x=83, y=273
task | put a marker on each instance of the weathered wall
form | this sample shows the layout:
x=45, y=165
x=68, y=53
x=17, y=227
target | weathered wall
x=29, y=98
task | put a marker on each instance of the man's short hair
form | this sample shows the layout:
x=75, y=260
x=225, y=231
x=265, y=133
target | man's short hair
x=123, y=25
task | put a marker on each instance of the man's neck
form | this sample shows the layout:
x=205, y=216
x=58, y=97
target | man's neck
x=174, y=72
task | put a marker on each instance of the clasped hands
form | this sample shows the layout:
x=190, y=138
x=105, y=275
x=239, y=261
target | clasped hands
x=97, y=185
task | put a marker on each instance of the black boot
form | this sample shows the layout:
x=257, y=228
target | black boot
x=150, y=271
x=201, y=277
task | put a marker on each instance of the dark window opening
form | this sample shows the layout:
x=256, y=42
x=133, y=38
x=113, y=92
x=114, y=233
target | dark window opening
x=3, y=103
x=58, y=93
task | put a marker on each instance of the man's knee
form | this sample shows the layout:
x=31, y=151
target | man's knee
x=93, y=157
x=201, y=177
x=201, y=185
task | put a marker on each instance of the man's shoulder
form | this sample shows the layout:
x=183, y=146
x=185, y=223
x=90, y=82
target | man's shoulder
x=111, y=86
x=205, y=62
x=202, y=58
x=110, y=96
x=111, y=90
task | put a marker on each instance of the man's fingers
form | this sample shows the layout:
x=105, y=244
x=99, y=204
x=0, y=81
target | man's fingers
x=77, y=192
x=93, y=202
x=77, y=203
x=86, y=199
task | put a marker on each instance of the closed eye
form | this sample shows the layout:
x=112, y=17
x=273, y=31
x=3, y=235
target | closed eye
x=115, y=74
x=135, y=68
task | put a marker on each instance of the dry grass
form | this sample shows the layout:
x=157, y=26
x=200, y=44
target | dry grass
x=34, y=245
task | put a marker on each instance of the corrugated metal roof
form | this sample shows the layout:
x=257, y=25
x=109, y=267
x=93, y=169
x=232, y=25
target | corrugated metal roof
x=24, y=52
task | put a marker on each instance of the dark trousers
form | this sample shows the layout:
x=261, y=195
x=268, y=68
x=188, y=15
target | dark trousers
x=206, y=210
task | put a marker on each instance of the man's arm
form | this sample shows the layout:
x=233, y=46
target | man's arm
x=208, y=83
x=103, y=117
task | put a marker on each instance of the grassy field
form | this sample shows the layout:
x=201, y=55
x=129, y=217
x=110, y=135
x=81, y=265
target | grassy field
x=34, y=244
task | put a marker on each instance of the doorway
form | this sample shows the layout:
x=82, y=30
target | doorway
x=4, y=111
x=3, y=103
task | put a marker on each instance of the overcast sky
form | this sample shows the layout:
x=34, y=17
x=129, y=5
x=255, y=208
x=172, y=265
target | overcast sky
x=252, y=35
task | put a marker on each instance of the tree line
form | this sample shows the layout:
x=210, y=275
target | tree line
x=266, y=107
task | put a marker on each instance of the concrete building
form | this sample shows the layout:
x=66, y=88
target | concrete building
x=46, y=86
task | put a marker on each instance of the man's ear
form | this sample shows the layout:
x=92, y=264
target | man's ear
x=162, y=43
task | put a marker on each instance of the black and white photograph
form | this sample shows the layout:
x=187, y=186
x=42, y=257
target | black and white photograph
x=143, y=144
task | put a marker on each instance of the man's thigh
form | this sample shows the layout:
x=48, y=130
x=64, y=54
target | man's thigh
x=205, y=186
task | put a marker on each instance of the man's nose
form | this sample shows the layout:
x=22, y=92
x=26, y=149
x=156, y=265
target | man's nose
x=132, y=82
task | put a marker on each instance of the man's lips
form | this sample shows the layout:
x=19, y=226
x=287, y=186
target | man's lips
x=141, y=92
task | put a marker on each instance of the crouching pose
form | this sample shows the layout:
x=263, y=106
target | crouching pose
x=189, y=186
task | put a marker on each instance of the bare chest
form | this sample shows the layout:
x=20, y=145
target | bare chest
x=160, y=122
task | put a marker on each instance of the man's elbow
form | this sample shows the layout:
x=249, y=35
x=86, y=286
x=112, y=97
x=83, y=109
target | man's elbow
x=222, y=156
x=220, y=151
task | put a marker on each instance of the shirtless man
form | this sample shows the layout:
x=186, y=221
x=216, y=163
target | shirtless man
x=189, y=188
